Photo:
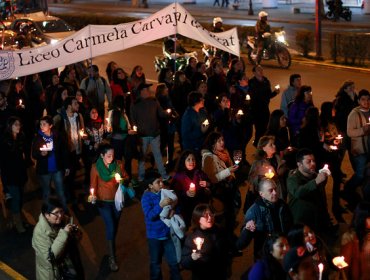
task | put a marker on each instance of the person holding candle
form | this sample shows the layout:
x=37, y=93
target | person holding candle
x=358, y=129
x=306, y=194
x=268, y=214
x=193, y=129
x=207, y=259
x=261, y=94
x=270, y=267
x=51, y=165
x=332, y=138
x=355, y=245
x=145, y=114
x=303, y=235
x=266, y=149
x=104, y=184
x=13, y=168
x=168, y=125
x=191, y=185
x=298, y=264
x=220, y=169
x=93, y=135
x=157, y=232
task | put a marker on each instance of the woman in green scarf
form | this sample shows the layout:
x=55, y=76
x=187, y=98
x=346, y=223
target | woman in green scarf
x=104, y=184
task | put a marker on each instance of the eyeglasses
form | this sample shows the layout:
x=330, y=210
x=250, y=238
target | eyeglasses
x=57, y=213
x=208, y=215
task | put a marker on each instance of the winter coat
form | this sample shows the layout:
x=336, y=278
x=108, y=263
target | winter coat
x=45, y=238
x=355, y=130
x=214, y=259
x=192, y=135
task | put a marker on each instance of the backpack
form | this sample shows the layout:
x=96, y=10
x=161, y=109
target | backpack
x=86, y=83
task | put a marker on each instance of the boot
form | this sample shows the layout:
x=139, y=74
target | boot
x=18, y=223
x=112, y=259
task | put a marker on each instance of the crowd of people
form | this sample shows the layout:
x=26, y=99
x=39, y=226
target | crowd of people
x=59, y=122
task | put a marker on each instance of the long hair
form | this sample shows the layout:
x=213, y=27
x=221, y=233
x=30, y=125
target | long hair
x=211, y=140
x=300, y=95
x=180, y=167
x=311, y=118
x=198, y=212
x=326, y=115
x=273, y=126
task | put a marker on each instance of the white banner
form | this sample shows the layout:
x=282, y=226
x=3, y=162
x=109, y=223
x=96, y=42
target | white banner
x=95, y=40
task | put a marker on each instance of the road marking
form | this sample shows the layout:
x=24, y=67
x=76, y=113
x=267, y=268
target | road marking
x=11, y=272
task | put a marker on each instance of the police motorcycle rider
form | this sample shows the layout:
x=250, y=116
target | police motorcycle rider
x=263, y=34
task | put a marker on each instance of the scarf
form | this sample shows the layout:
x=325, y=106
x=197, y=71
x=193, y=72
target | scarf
x=224, y=156
x=107, y=174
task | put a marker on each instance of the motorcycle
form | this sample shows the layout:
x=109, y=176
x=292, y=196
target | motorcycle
x=277, y=49
x=336, y=11
x=174, y=61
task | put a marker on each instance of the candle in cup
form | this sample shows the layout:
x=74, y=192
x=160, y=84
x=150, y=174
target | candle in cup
x=333, y=147
x=340, y=262
x=247, y=97
x=92, y=191
x=270, y=174
x=277, y=87
x=199, y=242
x=134, y=128
x=321, y=268
x=117, y=177
x=82, y=133
x=128, y=93
x=240, y=112
x=206, y=122
x=20, y=102
x=192, y=187
x=168, y=111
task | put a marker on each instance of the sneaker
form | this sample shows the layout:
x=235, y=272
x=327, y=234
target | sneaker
x=112, y=264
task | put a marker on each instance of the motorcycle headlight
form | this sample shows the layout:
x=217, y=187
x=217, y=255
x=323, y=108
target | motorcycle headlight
x=281, y=38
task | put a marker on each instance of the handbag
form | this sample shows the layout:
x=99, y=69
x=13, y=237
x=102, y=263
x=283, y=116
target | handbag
x=64, y=272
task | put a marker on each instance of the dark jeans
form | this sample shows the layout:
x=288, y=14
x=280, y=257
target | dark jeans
x=45, y=181
x=17, y=195
x=158, y=248
x=110, y=217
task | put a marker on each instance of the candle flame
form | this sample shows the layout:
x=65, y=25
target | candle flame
x=117, y=177
x=247, y=97
x=240, y=112
x=206, y=122
x=134, y=128
x=92, y=191
x=199, y=242
x=340, y=262
x=270, y=174
x=321, y=267
x=192, y=187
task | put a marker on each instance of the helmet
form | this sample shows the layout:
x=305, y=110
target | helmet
x=262, y=14
x=216, y=20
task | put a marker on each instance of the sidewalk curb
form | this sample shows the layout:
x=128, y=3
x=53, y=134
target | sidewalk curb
x=11, y=272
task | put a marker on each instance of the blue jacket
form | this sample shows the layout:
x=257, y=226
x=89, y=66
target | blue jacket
x=192, y=135
x=155, y=228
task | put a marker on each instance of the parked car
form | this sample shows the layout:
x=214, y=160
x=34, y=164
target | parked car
x=48, y=28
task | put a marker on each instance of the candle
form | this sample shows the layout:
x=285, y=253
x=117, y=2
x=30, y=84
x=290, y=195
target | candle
x=108, y=121
x=240, y=112
x=216, y=97
x=117, y=177
x=91, y=197
x=340, y=262
x=270, y=174
x=247, y=97
x=199, y=242
x=325, y=169
x=134, y=128
x=45, y=148
x=333, y=147
x=339, y=137
x=82, y=133
x=92, y=191
x=128, y=93
x=277, y=87
x=20, y=102
x=206, y=122
x=192, y=187
x=168, y=111
x=289, y=149
x=321, y=268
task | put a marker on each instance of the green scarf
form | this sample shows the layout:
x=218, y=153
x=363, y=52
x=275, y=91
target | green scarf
x=107, y=174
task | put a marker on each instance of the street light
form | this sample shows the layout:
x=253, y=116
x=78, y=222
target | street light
x=250, y=10
x=318, y=30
